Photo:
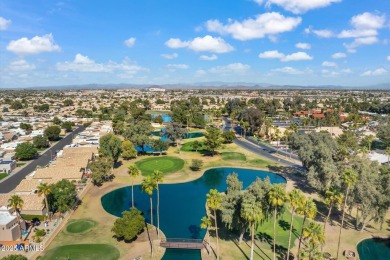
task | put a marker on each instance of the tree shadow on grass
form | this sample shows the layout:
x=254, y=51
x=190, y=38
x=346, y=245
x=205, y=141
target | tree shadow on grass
x=284, y=225
x=300, y=180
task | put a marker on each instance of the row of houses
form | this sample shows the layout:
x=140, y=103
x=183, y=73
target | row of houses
x=72, y=165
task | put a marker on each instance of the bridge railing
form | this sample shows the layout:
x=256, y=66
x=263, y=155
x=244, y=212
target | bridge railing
x=182, y=240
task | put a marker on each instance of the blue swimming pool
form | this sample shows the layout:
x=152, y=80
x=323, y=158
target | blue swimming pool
x=182, y=205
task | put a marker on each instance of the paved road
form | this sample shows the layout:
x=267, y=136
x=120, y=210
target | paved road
x=258, y=149
x=10, y=184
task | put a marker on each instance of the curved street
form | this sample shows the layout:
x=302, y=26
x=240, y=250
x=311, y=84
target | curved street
x=260, y=149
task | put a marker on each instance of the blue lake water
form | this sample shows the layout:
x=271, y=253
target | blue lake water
x=181, y=205
x=374, y=249
x=149, y=149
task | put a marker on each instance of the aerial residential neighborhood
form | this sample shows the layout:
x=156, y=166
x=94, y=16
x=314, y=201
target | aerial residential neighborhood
x=188, y=130
x=121, y=130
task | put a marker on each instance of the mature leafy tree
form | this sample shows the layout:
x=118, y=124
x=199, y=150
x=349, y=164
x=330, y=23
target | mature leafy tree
x=67, y=126
x=56, y=121
x=160, y=145
x=196, y=145
x=276, y=199
x=196, y=164
x=349, y=140
x=44, y=189
x=25, y=151
x=188, y=112
x=133, y=172
x=367, y=142
x=139, y=134
x=68, y=102
x=295, y=199
x=228, y=137
x=213, y=201
x=213, y=139
x=52, y=133
x=16, y=202
x=175, y=133
x=110, y=146
x=252, y=119
x=318, y=152
x=16, y=105
x=252, y=213
x=128, y=150
x=42, y=108
x=40, y=141
x=231, y=206
x=349, y=179
x=129, y=225
x=384, y=133
x=25, y=126
x=157, y=177
x=309, y=210
x=158, y=119
x=101, y=170
x=63, y=195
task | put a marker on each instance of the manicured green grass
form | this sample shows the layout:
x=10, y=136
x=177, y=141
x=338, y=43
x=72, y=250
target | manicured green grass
x=20, y=164
x=83, y=251
x=259, y=161
x=233, y=156
x=3, y=175
x=165, y=164
x=187, y=147
x=265, y=231
x=80, y=226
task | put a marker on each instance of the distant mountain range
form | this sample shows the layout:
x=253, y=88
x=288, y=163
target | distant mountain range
x=212, y=85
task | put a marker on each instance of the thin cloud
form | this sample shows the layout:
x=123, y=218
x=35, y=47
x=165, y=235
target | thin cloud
x=130, y=42
x=201, y=44
x=267, y=24
x=274, y=54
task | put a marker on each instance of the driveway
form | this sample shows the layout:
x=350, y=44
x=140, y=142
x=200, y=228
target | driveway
x=11, y=182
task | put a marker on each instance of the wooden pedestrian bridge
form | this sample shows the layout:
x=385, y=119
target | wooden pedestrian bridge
x=182, y=243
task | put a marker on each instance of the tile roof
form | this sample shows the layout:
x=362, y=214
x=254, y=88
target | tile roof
x=30, y=201
x=59, y=172
x=31, y=185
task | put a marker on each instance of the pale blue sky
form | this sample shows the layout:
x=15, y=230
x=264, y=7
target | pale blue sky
x=300, y=42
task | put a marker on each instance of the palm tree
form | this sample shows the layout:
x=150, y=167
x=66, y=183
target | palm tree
x=205, y=224
x=157, y=177
x=296, y=199
x=16, y=202
x=333, y=198
x=133, y=172
x=45, y=189
x=309, y=210
x=276, y=198
x=252, y=213
x=213, y=201
x=148, y=185
x=349, y=179
x=314, y=237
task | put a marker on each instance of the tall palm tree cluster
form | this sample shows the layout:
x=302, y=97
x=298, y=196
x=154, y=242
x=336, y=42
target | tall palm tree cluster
x=149, y=185
x=262, y=201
